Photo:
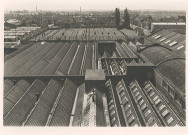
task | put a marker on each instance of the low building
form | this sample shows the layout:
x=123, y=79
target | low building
x=12, y=23
x=14, y=35
x=176, y=27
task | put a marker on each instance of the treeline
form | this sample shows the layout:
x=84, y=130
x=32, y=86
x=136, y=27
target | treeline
x=126, y=19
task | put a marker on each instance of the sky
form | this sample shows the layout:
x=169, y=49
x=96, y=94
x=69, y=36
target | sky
x=94, y=4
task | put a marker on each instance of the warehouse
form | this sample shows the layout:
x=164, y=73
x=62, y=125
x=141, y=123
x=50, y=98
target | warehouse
x=93, y=82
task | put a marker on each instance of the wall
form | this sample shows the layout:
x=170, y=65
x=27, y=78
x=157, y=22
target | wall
x=159, y=79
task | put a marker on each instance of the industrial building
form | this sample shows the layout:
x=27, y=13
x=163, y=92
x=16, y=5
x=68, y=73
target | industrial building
x=92, y=78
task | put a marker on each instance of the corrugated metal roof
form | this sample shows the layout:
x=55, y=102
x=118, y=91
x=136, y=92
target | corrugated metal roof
x=37, y=100
x=35, y=112
x=49, y=59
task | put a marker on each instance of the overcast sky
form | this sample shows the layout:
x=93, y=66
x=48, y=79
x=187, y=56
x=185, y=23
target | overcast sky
x=94, y=4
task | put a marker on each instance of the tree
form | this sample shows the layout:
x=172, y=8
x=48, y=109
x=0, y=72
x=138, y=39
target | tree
x=23, y=22
x=117, y=17
x=126, y=19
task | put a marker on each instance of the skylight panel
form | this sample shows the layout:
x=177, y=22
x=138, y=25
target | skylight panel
x=167, y=41
x=173, y=43
x=165, y=113
x=161, y=107
x=157, y=36
x=170, y=120
x=180, y=47
x=162, y=39
x=154, y=36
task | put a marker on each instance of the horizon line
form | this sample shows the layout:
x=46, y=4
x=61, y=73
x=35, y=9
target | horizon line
x=96, y=10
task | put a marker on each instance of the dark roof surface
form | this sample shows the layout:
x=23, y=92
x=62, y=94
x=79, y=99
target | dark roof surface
x=84, y=34
x=174, y=70
x=170, y=39
x=130, y=33
x=50, y=59
x=44, y=81
x=157, y=54
x=52, y=94
x=168, y=64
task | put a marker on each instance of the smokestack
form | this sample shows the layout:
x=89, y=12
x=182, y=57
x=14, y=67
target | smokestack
x=36, y=9
x=80, y=10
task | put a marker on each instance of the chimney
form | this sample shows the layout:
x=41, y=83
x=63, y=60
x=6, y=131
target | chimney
x=36, y=9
